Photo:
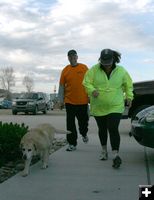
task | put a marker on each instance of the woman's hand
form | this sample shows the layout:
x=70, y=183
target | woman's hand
x=129, y=103
x=95, y=93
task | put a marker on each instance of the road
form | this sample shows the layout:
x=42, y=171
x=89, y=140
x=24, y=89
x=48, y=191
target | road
x=33, y=120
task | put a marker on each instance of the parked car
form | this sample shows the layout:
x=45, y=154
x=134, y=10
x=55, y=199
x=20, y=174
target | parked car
x=143, y=97
x=30, y=103
x=52, y=105
x=5, y=104
x=143, y=127
x=48, y=101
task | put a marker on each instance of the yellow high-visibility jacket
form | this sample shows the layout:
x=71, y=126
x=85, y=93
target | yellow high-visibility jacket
x=112, y=91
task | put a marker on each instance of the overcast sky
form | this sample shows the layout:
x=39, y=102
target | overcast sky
x=35, y=36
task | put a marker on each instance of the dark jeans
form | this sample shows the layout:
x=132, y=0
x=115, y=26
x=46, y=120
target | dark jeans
x=109, y=123
x=79, y=112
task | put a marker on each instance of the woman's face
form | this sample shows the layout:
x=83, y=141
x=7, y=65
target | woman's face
x=107, y=66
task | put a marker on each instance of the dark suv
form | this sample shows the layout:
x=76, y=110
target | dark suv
x=30, y=103
x=143, y=98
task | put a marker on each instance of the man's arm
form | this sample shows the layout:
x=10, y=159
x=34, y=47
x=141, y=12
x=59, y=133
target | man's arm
x=61, y=94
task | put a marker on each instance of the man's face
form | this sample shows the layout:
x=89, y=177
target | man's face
x=73, y=59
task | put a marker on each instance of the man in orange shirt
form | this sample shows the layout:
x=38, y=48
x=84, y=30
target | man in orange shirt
x=73, y=94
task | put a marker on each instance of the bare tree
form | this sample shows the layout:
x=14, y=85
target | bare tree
x=7, y=80
x=28, y=82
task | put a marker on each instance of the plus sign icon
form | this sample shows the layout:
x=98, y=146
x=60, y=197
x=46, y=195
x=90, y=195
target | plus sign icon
x=146, y=192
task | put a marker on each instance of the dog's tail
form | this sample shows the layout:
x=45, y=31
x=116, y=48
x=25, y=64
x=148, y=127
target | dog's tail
x=62, y=131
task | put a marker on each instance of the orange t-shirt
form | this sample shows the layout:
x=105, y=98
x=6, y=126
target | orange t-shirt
x=71, y=78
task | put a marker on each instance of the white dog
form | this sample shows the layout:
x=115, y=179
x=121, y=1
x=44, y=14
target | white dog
x=38, y=141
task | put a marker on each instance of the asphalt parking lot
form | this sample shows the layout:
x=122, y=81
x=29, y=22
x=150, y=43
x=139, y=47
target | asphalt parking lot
x=80, y=175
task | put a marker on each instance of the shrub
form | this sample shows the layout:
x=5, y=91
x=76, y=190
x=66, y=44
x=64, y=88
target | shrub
x=10, y=136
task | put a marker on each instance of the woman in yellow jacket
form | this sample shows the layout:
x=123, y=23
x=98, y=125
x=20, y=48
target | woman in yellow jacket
x=108, y=85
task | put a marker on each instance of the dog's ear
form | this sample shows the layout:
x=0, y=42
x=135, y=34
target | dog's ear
x=21, y=145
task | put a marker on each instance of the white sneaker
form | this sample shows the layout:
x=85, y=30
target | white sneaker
x=103, y=155
x=85, y=139
x=71, y=148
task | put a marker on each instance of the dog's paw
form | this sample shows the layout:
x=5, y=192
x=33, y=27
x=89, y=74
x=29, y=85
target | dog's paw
x=24, y=174
x=44, y=166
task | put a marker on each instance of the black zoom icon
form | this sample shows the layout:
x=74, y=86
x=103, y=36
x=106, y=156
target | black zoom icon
x=146, y=192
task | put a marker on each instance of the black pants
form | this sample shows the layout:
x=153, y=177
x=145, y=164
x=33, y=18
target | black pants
x=109, y=123
x=79, y=112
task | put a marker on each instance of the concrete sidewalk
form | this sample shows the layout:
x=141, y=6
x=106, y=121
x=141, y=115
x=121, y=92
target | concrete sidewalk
x=80, y=175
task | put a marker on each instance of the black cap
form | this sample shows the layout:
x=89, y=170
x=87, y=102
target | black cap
x=106, y=57
x=71, y=52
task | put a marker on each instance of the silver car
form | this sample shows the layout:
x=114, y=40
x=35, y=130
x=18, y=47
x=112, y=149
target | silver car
x=30, y=103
